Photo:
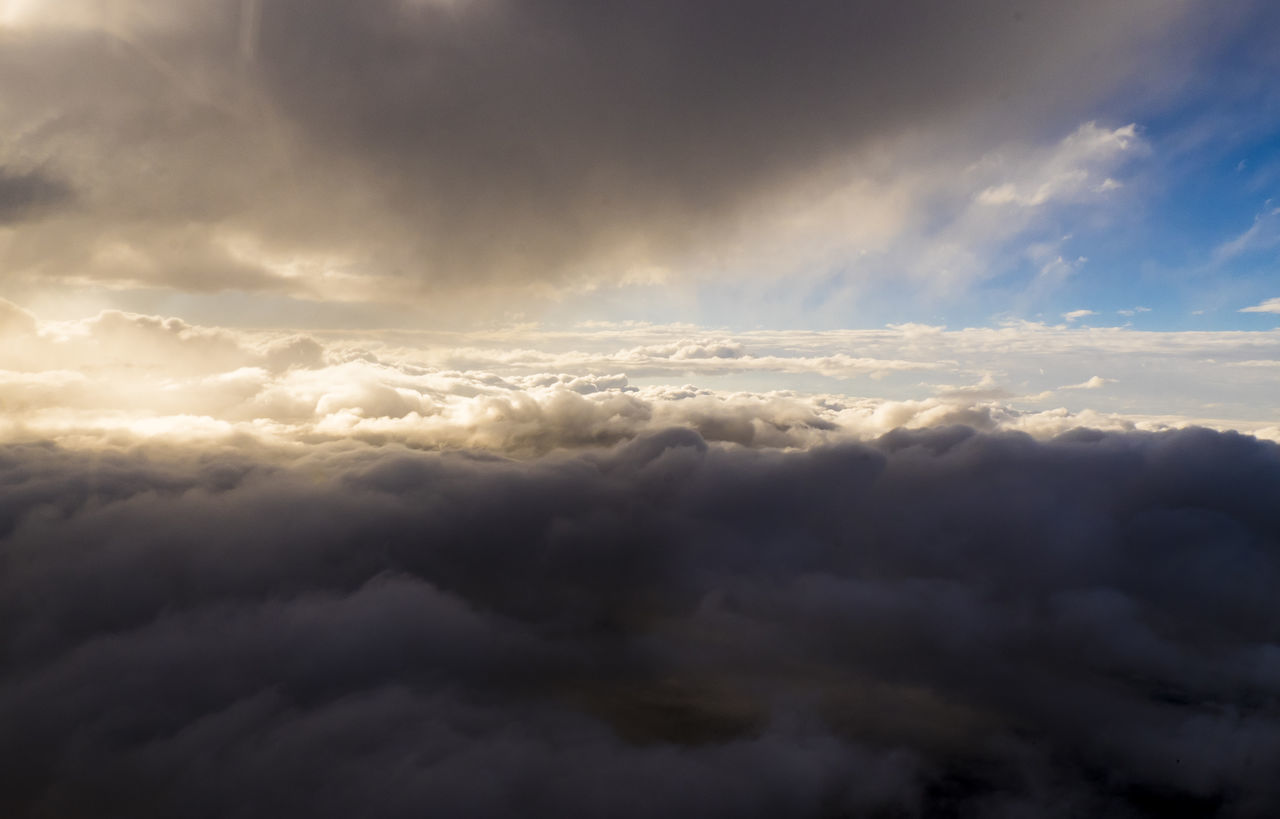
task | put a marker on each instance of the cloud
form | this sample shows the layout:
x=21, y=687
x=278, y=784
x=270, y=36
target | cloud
x=1267, y=306
x=1094, y=383
x=1078, y=314
x=1068, y=171
x=525, y=390
x=1263, y=234
x=935, y=620
x=403, y=150
x=27, y=195
x=1005, y=208
x=16, y=321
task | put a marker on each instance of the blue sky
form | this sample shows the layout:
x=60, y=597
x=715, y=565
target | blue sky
x=1192, y=235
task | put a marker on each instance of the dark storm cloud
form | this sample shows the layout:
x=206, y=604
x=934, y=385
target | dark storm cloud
x=938, y=623
x=522, y=134
x=26, y=195
x=457, y=143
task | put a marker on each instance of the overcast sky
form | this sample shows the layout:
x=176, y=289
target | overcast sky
x=736, y=163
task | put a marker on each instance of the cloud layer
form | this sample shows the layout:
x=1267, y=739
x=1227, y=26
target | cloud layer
x=938, y=622
x=415, y=148
x=525, y=390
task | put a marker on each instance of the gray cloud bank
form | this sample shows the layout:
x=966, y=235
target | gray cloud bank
x=339, y=149
x=936, y=623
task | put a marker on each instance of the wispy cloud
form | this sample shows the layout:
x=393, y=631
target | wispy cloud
x=1071, y=169
x=1267, y=306
x=1094, y=383
x=1262, y=235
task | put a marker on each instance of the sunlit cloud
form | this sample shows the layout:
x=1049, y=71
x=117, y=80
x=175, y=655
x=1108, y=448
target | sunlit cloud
x=533, y=389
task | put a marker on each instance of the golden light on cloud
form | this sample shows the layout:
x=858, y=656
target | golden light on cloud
x=16, y=12
x=67, y=13
x=526, y=390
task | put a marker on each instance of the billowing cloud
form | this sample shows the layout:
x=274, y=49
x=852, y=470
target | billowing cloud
x=527, y=390
x=937, y=621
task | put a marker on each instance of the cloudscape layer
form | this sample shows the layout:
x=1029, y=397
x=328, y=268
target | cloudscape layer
x=939, y=622
x=696, y=409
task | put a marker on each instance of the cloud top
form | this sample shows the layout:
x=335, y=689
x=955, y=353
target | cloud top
x=937, y=620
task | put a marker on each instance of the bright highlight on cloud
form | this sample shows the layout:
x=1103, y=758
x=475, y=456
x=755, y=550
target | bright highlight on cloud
x=528, y=390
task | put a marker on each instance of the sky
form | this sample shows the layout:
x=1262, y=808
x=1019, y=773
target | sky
x=1100, y=176
x=702, y=408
